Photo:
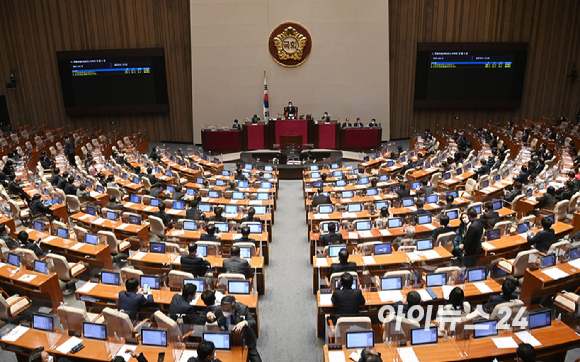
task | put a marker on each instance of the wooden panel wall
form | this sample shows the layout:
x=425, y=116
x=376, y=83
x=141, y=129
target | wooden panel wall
x=552, y=28
x=34, y=30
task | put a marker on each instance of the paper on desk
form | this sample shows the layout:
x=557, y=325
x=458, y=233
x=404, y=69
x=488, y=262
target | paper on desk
x=355, y=356
x=412, y=208
x=149, y=208
x=194, y=301
x=483, y=288
x=336, y=356
x=505, y=342
x=68, y=345
x=378, y=198
x=430, y=226
x=173, y=211
x=16, y=333
x=360, y=187
x=77, y=246
x=87, y=287
x=447, y=290
x=385, y=232
x=339, y=188
x=431, y=254
x=138, y=255
x=574, y=263
x=555, y=273
x=99, y=221
x=255, y=202
x=425, y=296
x=369, y=260
x=204, y=199
x=123, y=226
x=129, y=204
x=27, y=277
x=2, y=265
x=187, y=354
x=352, y=235
x=321, y=216
x=407, y=354
x=344, y=201
x=49, y=239
x=177, y=232
x=349, y=215
x=365, y=234
x=390, y=296
x=325, y=299
x=93, y=194
x=414, y=256
x=321, y=262
x=124, y=352
x=85, y=216
x=526, y=337
x=487, y=246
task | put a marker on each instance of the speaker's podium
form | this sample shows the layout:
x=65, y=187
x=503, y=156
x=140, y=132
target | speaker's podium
x=290, y=147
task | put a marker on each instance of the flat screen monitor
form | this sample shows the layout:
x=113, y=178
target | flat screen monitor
x=366, y=158
x=245, y=252
x=436, y=279
x=204, y=207
x=214, y=194
x=493, y=234
x=333, y=250
x=363, y=181
x=372, y=191
x=477, y=208
x=334, y=166
x=485, y=328
x=62, y=233
x=408, y=202
x=539, y=319
x=239, y=287
x=447, y=175
x=124, y=175
x=136, y=180
x=199, y=283
x=455, y=194
x=424, y=244
x=550, y=217
x=452, y=214
x=158, y=248
x=231, y=209
x=135, y=199
x=325, y=209
x=394, y=222
x=459, y=171
x=222, y=227
x=383, y=248
x=574, y=253
x=424, y=219
x=420, y=336
x=358, y=340
x=384, y=178
x=202, y=251
x=347, y=194
x=168, y=173
x=41, y=266
x=14, y=259
x=393, y=283
x=135, y=219
x=341, y=183
x=154, y=337
x=38, y=226
x=91, y=210
x=485, y=183
x=42, y=322
x=432, y=199
x=315, y=175
x=248, y=166
x=476, y=275
x=380, y=204
x=548, y=260
x=220, y=183
x=243, y=184
x=415, y=185
x=237, y=195
x=109, y=277
x=403, y=159
x=190, y=191
x=111, y=215
x=497, y=205
x=390, y=163
x=354, y=207
x=220, y=340
x=363, y=225
x=268, y=168
x=95, y=331
x=91, y=239
x=266, y=185
x=263, y=196
x=179, y=205
x=255, y=228
x=189, y=225
x=150, y=281
x=337, y=173
x=261, y=210
x=155, y=202
x=199, y=180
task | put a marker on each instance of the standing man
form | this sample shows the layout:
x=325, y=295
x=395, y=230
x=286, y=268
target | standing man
x=472, y=243
x=69, y=149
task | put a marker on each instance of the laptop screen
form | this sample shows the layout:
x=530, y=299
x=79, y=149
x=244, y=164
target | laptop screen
x=62, y=233
x=199, y=283
x=221, y=341
x=154, y=337
x=383, y=248
x=493, y=234
x=38, y=226
x=95, y=331
x=189, y=225
x=245, y=252
x=222, y=227
x=263, y=196
x=110, y=278
x=539, y=319
x=424, y=244
x=356, y=340
x=574, y=253
x=91, y=210
x=135, y=219
x=325, y=209
x=424, y=219
x=431, y=199
x=394, y=283
x=548, y=260
x=178, y=205
x=363, y=225
x=150, y=281
x=334, y=250
x=111, y=215
x=40, y=266
x=231, y=209
x=394, y=222
x=135, y=199
x=238, y=287
x=157, y=247
x=452, y=214
x=13, y=259
x=485, y=328
x=204, y=207
x=408, y=202
x=523, y=227
x=91, y=239
x=255, y=228
x=476, y=275
x=421, y=336
x=436, y=279
x=261, y=210
x=237, y=195
x=356, y=207
x=42, y=322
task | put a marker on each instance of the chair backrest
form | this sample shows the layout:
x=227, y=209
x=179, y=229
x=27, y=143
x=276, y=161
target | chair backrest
x=451, y=271
x=446, y=240
x=27, y=256
x=80, y=232
x=470, y=185
x=336, y=276
x=60, y=266
x=146, y=183
x=73, y=203
x=223, y=278
x=435, y=180
x=521, y=262
x=513, y=305
x=573, y=202
x=164, y=322
x=176, y=278
x=156, y=226
x=109, y=238
x=72, y=318
x=404, y=274
x=4, y=313
x=390, y=332
x=504, y=226
x=407, y=248
x=368, y=247
x=113, y=191
x=350, y=324
x=118, y=323
x=128, y=273
x=530, y=219
x=558, y=245
x=172, y=248
x=561, y=210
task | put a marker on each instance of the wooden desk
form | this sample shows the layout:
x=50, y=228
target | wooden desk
x=9, y=222
x=454, y=181
x=120, y=228
x=43, y=287
x=57, y=210
x=537, y=284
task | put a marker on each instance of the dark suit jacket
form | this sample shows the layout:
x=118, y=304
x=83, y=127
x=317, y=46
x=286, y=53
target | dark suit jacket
x=253, y=219
x=510, y=196
x=543, y=239
x=547, y=201
x=403, y=194
x=497, y=299
x=522, y=177
x=70, y=189
x=483, y=170
x=154, y=156
x=152, y=179
x=38, y=206
x=237, y=265
x=342, y=267
x=320, y=200
x=441, y=230
x=54, y=179
x=566, y=195
x=216, y=218
x=15, y=189
x=195, y=265
x=241, y=313
x=115, y=206
x=331, y=239
x=10, y=242
x=180, y=305
x=490, y=219
x=472, y=241
x=69, y=147
x=347, y=301
x=177, y=196
x=194, y=214
x=62, y=182
x=131, y=302
x=207, y=237
x=427, y=190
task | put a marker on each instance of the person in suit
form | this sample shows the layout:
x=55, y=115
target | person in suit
x=545, y=238
x=511, y=195
x=240, y=176
x=162, y=214
x=523, y=175
x=191, y=263
x=507, y=294
x=14, y=187
x=180, y=306
x=413, y=299
x=346, y=299
x=114, y=204
x=205, y=353
x=55, y=177
x=193, y=213
x=290, y=111
x=332, y=238
x=251, y=217
x=70, y=188
x=325, y=117
x=448, y=205
x=236, y=125
x=208, y=298
x=37, y=206
x=526, y=353
x=472, y=242
x=238, y=316
x=347, y=123
x=8, y=240
x=69, y=149
x=572, y=177
x=157, y=191
x=483, y=169
x=178, y=195
x=151, y=177
x=25, y=243
x=444, y=228
x=420, y=210
x=255, y=119
x=358, y=123
x=218, y=211
x=235, y=264
x=133, y=299
x=232, y=186
x=154, y=155
x=245, y=231
x=425, y=188
x=343, y=264
x=549, y=200
x=373, y=123
x=526, y=135
x=321, y=199
x=210, y=234
x=403, y=192
x=490, y=217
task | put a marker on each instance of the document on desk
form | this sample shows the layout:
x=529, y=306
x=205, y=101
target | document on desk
x=256, y=202
x=321, y=216
x=93, y=194
x=138, y=255
x=325, y=299
x=87, y=287
x=425, y=296
x=369, y=260
x=365, y=234
x=555, y=273
x=360, y=187
x=85, y=216
x=487, y=246
x=352, y=235
x=233, y=202
x=49, y=239
x=99, y=221
x=384, y=232
x=390, y=296
x=320, y=262
x=124, y=352
x=483, y=288
x=27, y=278
x=77, y=246
x=173, y=211
x=68, y=345
x=407, y=354
x=505, y=342
x=177, y=232
x=412, y=208
x=349, y=215
x=336, y=356
x=526, y=337
x=343, y=201
x=431, y=254
x=187, y=354
x=378, y=198
x=123, y=226
x=2, y=265
x=430, y=226
x=129, y=204
x=575, y=263
x=149, y=208
x=447, y=290
x=414, y=256
x=14, y=334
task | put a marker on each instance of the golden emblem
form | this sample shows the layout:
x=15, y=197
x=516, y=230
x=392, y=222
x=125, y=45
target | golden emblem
x=290, y=44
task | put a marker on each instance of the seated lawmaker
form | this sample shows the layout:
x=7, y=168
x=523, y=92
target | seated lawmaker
x=210, y=234
x=133, y=299
x=545, y=238
x=346, y=299
x=218, y=211
x=245, y=231
x=507, y=294
x=114, y=204
x=8, y=240
x=181, y=306
x=154, y=155
x=191, y=263
x=162, y=214
x=511, y=195
x=178, y=195
x=346, y=124
x=358, y=124
x=332, y=238
x=490, y=217
x=373, y=123
x=193, y=213
x=235, y=264
x=40, y=355
x=343, y=264
x=413, y=299
x=251, y=217
x=236, y=125
x=549, y=200
x=14, y=187
x=444, y=228
x=320, y=199
x=37, y=206
x=420, y=210
x=402, y=192
x=70, y=188
x=205, y=353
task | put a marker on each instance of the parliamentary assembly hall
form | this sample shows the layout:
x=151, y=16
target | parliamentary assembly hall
x=289, y=180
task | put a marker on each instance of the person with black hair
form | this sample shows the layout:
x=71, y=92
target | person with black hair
x=544, y=238
x=526, y=353
x=332, y=238
x=178, y=195
x=8, y=240
x=55, y=177
x=181, y=306
x=321, y=199
x=138, y=172
x=69, y=149
x=232, y=186
x=162, y=214
x=209, y=234
x=133, y=299
x=507, y=294
x=566, y=192
x=194, y=264
x=343, y=264
x=218, y=211
x=82, y=193
x=157, y=190
x=37, y=206
x=208, y=298
x=154, y=155
x=483, y=169
x=426, y=189
x=420, y=210
x=245, y=231
x=193, y=213
x=151, y=177
x=235, y=264
x=448, y=204
x=444, y=228
x=114, y=204
x=251, y=217
x=238, y=315
x=205, y=352
x=472, y=241
x=358, y=123
x=489, y=217
x=70, y=188
x=240, y=176
x=511, y=195
x=14, y=187
x=346, y=299
x=25, y=243
x=367, y=353
x=40, y=355
x=402, y=192
x=413, y=299
x=236, y=125
x=523, y=176
x=346, y=124
x=111, y=182
x=549, y=200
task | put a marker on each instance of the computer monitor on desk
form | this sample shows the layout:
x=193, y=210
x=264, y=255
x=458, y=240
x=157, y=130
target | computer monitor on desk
x=358, y=340
x=420, y=336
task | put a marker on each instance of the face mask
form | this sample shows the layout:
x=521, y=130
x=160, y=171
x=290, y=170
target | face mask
x=465, y=219
x=50, y=359
x=227, y=314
